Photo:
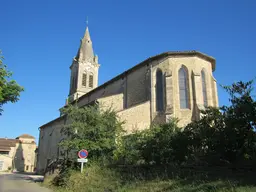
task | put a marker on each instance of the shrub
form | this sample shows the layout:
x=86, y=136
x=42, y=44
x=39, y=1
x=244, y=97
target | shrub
x=92, y=129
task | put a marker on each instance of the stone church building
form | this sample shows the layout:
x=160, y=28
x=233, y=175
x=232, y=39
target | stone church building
x=170, y=84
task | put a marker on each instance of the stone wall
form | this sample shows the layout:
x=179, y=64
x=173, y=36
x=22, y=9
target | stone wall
x=137, y=89
x=136, y=117
x=134, y=86
x=49, y=138
x=104, y=91
x=114, y=102
x=25, y=156
x=8, y=159
x=7, y=162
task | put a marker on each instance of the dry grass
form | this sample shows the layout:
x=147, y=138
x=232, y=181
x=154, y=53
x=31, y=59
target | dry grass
x=97, y=179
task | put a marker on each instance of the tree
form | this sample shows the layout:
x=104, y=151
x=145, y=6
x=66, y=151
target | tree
x=9, y=89
x=92, y=129
x=240, y=120
x=227, y=134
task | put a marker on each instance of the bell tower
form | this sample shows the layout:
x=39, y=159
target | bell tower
x=84, y=69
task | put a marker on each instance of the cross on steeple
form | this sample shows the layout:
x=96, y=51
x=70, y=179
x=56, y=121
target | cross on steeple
x=87, y=21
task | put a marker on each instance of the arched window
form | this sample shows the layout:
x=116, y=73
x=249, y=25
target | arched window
x=183, y=88
x=159, y=91
x=91, y=81
x=204, y=87
x=84, y=79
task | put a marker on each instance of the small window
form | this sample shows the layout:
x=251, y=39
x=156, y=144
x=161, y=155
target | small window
x=84, y=79
x=4, y=152
x=91, y=81
x=27, y=167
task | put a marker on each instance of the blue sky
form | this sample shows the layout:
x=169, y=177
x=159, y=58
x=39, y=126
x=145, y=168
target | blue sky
x=40, y=38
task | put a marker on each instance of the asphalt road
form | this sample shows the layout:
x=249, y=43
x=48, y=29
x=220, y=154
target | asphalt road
x=20, y=183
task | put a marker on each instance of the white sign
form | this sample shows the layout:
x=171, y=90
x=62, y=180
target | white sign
x=82, y=160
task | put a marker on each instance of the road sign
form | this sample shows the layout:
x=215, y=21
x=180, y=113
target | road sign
x=82, y=154
x=82, y=160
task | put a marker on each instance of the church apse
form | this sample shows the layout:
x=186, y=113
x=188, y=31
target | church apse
x=183, y=94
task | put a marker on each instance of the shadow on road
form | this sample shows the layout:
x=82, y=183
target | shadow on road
x=27, y=177
x=34, y=179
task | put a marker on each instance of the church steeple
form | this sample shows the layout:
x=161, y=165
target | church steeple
x=84, y=69
x=85, y=51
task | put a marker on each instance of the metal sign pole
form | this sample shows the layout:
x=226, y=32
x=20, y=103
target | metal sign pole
x=82, y=167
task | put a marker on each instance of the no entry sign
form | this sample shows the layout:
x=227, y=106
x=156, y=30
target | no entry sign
x=82, y=154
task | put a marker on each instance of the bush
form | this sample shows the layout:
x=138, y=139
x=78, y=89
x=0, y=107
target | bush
x=94, y=178
x=151, y=146
x=224, y=136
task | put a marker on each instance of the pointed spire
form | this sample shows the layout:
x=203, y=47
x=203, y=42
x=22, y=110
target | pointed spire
x=87, y=34
x=85, y=51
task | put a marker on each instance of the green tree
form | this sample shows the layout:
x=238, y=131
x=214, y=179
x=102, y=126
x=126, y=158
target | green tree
x=92, y=129
x=225, y=135
x=240, y=121
x=9, y=89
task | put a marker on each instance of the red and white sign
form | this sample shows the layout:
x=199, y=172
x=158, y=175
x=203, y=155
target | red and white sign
x=82, y=154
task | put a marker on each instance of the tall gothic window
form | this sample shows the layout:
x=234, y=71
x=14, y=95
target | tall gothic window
x=91, y=81
x=84, y=79
x=159, y=91
x=183, y=88
x=204, y=87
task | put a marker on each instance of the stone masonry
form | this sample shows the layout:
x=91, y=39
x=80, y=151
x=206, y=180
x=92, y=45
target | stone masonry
x=134, y=93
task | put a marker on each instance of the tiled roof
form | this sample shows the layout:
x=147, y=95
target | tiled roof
x=6, y=144
x=26, y=136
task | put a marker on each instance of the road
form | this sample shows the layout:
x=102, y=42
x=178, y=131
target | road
x=20, y=183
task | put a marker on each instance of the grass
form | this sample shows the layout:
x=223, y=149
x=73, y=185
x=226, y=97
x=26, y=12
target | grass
x=153, y=179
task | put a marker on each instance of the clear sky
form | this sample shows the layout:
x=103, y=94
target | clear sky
x=40, y=38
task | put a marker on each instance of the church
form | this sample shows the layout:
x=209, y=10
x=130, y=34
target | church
x=171, y=84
